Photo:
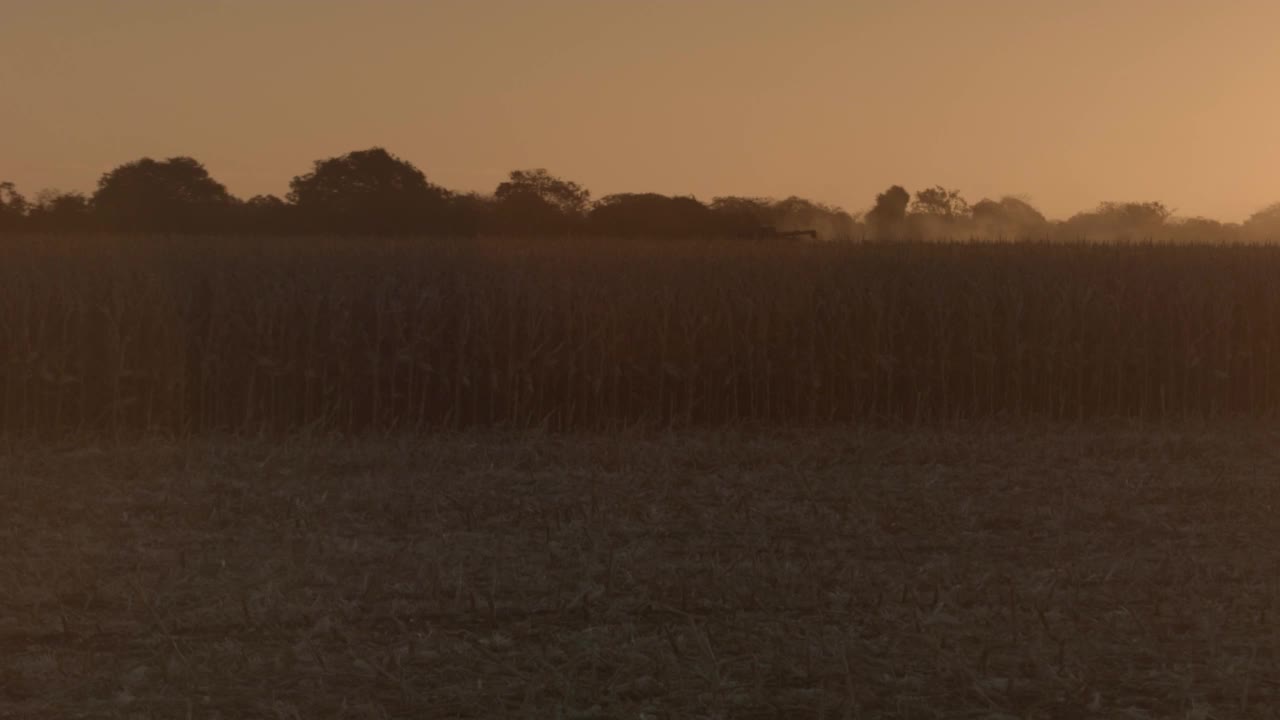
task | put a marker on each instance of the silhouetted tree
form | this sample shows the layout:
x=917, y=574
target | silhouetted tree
x=267, y=214
x=55, y=211
x=741, y=216
x=651, y=215
x=1202, y=230
x=886, y=218
x=173, y=195
x=566, y=195
x=797, y=213
x=1264, y=224
x=1007, y=209
x=537, y=202
x=755, y=217
x=369, y=191
x=1133, y=214
x=1008, y=217
x=941, y=203
x=1119, y=221
x=471, y=213
x=13, y=207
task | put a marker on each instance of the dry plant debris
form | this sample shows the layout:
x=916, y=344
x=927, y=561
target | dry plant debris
x=982, y=572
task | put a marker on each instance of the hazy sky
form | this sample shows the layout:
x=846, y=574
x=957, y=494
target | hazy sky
x=1069, y=102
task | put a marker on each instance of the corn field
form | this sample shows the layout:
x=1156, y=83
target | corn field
x=126, y=335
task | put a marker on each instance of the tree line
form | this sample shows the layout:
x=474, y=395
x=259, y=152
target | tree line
x=373, y=192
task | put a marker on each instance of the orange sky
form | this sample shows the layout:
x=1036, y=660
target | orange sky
x=1069, y=102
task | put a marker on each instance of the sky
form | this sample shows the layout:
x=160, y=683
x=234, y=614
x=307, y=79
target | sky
x=1067, y=103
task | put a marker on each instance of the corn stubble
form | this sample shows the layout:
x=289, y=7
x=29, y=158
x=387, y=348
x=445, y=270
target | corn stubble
x=1103, y=571
x=122, y=335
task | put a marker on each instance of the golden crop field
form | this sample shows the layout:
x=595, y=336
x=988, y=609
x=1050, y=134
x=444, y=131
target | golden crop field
x=128, y=335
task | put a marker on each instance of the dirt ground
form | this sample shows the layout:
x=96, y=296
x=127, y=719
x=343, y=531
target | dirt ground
x=980, y=572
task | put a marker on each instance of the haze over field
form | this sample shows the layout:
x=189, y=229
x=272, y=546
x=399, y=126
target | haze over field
x=1069, y=103
x=639, y=358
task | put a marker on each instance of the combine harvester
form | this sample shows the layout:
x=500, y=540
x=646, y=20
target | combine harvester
x=768, y=232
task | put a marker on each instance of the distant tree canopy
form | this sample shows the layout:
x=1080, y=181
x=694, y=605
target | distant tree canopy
x=376, y=193
x=173, y=195
x=652, y=215
x=941, y=203
x=1120, y=221
x=1007, y=217
x=55, y=210
x=537, y=202
x=890, y=212
x=1145, y=214
x=796, y=213
x=742, y=215
x=267, y=214
x=367, y=191
x=937, y=211
x=13, y=207
x=1008, y=210
x=1264, y=224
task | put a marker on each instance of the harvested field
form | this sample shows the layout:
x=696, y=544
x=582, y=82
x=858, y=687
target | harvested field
x=1116, y=571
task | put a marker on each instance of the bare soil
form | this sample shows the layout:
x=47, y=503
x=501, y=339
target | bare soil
x=1050, y=572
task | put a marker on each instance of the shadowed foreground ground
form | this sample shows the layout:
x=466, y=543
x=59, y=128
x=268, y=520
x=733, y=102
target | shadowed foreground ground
x=987, y=573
